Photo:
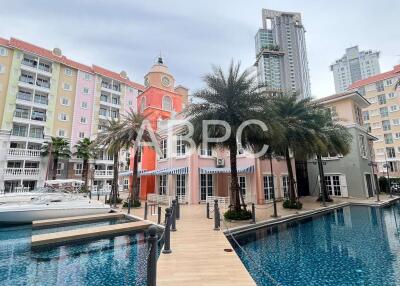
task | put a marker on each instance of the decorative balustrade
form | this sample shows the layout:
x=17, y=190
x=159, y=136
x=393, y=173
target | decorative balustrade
x=23, y=152
x=160, y=199
x=222, y=201
x=104, y=173
x=21, y=171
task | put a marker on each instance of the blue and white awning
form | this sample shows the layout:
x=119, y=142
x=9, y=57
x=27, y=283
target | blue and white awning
x=166, y=171
x=212, y=170
x=129, y=173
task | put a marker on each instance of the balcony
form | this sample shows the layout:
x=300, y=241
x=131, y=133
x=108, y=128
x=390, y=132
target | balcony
x=36, y=134
x=115, y=88
x=24, y=96
x=33, y=66
x=42, y=83
x=103, y=173
x=21, y=172
x=17, y=152
x=115, y=102
x=19, y=133
x=27, y=79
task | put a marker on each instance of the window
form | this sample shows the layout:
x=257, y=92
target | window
x=143, y=103
x=384, y=111
x=67, y=86
x=367, y=126
x=379, y=86
x=78, y=169
x=167, y=103
x=396, y=121
x=391, y=153
x=61, y=133
x=87, y=76
x=181, y=186
x=180, y=147
x=388, y=138
x=397, y=135
x=81, y=135
x=386, y=125
x=205, y=151
x=126, y=184
x=268, y=188
x=83, y=120
x=242, y=184
x=363, y=147
x=163, y=147
x=60, y=167
x=139, y=154
x=285, y=186
x=162, y=185
x=391, y=95
x=68, y=72
x=382, y=99
x=365, y=115
x=84, y=105
x=2, y=68
x=388, y=82
x=63, y=117
x=374, y=112
x=85, y=90
x=64, y=101
x=206, y=186
x=332, y=184
x=130, y=102
x=3, y=52
x=358, y=113
x=394, y=108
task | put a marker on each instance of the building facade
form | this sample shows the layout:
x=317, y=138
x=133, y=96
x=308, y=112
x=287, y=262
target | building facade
x=351, y=175
x=353, y=66
x=44, y=94
x=382, y=118
x=281, y=53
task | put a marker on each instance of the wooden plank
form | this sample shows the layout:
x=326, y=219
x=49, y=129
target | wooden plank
x=75, y=219
x=92, y=232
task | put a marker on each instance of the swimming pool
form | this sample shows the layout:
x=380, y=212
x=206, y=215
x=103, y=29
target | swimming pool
x=354, y=245
x=119, y=260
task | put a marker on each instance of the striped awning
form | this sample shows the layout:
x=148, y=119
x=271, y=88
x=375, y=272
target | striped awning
x=166, y=171
x=129, y=173
x=212, y=170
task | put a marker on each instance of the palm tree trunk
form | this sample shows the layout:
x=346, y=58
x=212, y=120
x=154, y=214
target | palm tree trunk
x=273, y=186
x=85, y=173
x=114, y=187
x=324, y=193
x=134, y=192
x=55, y=164
x=292, y=194
x=236, y=193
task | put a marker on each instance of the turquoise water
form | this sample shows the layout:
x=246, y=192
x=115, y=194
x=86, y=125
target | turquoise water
x=354, y=245
x=119, y=260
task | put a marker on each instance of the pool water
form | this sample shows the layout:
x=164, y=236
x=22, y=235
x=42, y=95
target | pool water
x=80, y=225
x=354, y=245
x=118, y=260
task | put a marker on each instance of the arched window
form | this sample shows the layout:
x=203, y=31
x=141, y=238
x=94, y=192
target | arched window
x=167, y=103
x=143, y=104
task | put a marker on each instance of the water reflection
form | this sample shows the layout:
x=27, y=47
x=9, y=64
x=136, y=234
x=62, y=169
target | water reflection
x=352, y=245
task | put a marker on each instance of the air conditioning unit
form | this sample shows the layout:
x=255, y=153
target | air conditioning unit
x=220, y=162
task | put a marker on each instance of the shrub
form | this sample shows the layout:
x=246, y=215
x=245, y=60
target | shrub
x=119, y=200
x=238, y=215
x=288, y=204
x=136, y=204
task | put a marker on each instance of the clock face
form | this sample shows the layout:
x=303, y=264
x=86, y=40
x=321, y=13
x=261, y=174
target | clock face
x=146, y=81
x=165, y=81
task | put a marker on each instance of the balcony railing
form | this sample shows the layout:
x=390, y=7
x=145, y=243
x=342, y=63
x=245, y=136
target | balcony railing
x=44, y=68
x=23, y=152
x=38, y=117
x=43, y=84
x=111, y=86
x=19, y=114
x=29, y=63
x=21, y=171
x=41, y=100
x=26, y=80
x=21, y=133
x=104, y=173
x=37, y=135
x=24, y=96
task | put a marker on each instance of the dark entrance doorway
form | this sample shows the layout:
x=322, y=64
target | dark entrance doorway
x=302, y=178
x=369, y=185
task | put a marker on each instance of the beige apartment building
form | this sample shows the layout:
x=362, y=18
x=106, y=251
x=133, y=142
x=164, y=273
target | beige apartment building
x=382, y=118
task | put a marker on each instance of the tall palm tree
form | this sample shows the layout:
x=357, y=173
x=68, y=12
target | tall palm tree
x=57, y=148
x=127, y=135
x=297, y=134
x=108, y=140
x=233, y=97
x=85, y=151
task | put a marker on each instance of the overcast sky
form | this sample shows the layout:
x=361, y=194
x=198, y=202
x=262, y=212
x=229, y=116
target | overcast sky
x=192, y=35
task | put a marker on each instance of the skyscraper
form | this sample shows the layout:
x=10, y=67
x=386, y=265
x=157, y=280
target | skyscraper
x=354, y=66
x=281, y=54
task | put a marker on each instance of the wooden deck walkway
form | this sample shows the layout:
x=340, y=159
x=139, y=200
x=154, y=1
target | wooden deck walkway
x=83, y=233
x=198, y=256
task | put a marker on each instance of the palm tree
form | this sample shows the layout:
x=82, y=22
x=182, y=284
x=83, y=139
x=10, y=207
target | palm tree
x=57, y=148
x=85, y=151
x=233, y=97
x=108, y=140
x=332, y=138
x=127, y=135
x=297, y=134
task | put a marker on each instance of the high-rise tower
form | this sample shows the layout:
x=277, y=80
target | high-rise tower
x=281, y=54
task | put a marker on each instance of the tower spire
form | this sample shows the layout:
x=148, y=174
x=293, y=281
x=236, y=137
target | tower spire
x=160, y=60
